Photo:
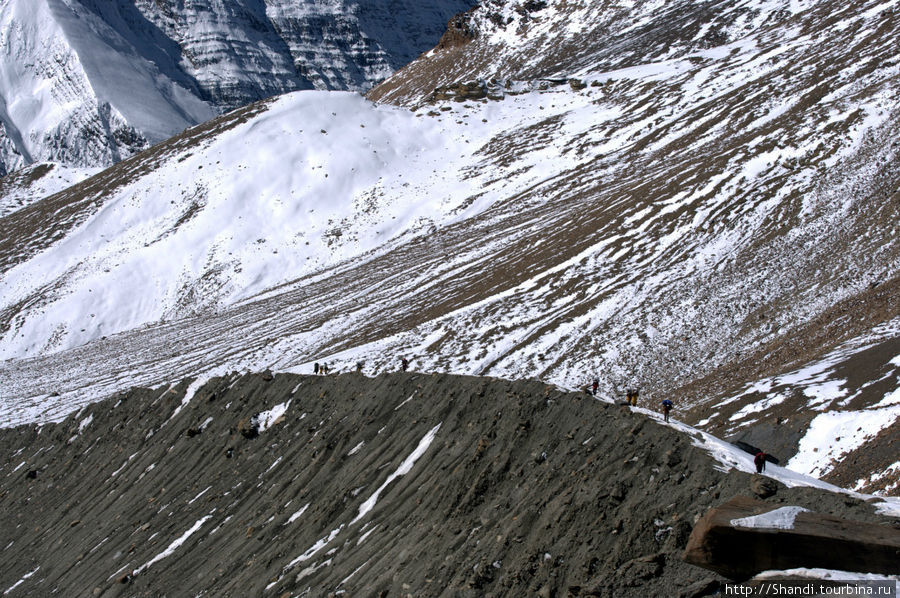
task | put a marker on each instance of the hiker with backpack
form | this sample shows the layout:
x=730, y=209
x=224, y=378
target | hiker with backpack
x=667, y=406
x=631, y=397
x=594, y=386
x=404, y=363
x=760, y=461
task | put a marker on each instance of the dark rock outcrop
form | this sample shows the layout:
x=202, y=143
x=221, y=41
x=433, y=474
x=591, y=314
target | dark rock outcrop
x=763, y=486
x=460, y=92
x=460, y=31
x=249, y=427
x=814, y=540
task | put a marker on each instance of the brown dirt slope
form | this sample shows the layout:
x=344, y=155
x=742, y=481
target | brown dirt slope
x=524, y=489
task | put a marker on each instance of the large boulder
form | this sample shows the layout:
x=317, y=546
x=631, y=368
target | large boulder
x=773, y=537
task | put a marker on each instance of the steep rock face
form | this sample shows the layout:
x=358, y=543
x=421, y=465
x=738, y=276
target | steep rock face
x=240, y=51
x=73, y=90
x=90, y=82
x=229, y=48
x=353, y=45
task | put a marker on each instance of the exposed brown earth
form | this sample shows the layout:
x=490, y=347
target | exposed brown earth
x=24, y=179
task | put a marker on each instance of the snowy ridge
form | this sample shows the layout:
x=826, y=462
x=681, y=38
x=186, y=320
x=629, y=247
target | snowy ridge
x=332, y=146
x=730, y=457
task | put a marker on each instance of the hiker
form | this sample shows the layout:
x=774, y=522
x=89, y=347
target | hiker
x=760, y=461
x=667, y=406
x=324, y=369
x=594, y=386
x=404, y=363
x=359, y=366
x=631, y=397
x=316, y=368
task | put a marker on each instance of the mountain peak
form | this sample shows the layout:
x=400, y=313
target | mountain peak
x=87, y=83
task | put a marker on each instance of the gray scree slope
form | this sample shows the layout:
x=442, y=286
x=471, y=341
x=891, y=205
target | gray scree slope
x=522, y=489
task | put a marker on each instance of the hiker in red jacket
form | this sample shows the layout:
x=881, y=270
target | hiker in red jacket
x=760, y=461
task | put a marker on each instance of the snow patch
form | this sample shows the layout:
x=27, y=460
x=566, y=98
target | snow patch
x=173, y=546
x=356, y=448
x=836, y=433
x=297, y=515
x=782, y=518
x=189, y=394
x=267, y=419
x=404, y=469
x=23, y=579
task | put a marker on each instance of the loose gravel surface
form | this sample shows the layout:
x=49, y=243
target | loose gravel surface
x=402, y=484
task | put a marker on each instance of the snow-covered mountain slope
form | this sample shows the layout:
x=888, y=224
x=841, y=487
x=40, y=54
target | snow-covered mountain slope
x=90, y=82
x=538, y=39
x=33, y=183
x=315, y=179
x=697, y=225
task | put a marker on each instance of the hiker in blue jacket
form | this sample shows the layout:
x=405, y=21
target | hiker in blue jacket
x=667, y=406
